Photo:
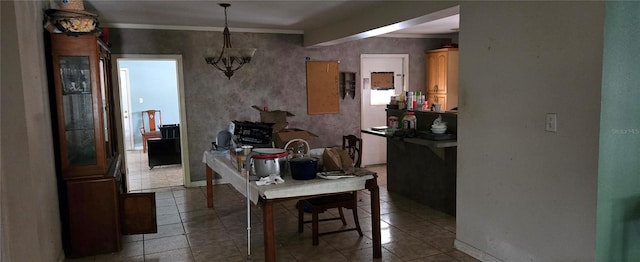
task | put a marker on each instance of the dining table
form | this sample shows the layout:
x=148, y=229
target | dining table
x=267, y=196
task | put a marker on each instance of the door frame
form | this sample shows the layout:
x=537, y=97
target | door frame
x=363, y=75
x=125, y=102
x=184, y=145
x=405, y=80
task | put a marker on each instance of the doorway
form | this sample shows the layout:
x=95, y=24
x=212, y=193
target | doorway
x=151, y=82
x=375, y=99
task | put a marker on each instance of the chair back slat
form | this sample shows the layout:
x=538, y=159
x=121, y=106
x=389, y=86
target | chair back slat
x=150, y=117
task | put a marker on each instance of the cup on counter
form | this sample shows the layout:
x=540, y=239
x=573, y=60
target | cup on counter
x=246, y=149
x=438, y=107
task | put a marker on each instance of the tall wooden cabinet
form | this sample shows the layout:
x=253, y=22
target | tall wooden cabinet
x=442, y=77
x=90, y=177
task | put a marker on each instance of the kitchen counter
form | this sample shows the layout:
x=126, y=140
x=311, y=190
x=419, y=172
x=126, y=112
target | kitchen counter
x=423, y=169
x=374, y=132
x=415, y=140
x=423, y=173
x=424, y=119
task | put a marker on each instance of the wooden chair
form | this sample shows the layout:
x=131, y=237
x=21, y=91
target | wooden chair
x=150, y=117
x=348, y=200
x=353, y=145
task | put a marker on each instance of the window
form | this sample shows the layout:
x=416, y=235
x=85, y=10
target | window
x=382, y=87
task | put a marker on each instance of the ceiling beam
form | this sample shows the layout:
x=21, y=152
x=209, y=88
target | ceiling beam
x=387, y=17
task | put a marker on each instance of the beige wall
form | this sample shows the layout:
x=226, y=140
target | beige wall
x=525, y=194
x=30, y=219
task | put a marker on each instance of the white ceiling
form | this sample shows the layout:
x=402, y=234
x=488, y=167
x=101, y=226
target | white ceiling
x=248, y=16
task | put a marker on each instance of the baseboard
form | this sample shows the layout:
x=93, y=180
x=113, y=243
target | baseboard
x=201, y=183
x=474, y=252
x=198, y=183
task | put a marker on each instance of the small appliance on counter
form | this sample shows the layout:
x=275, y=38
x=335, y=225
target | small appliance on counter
x=223, y=141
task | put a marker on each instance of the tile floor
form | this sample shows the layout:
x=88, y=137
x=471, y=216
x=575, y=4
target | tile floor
x=141, y=177
x=189, y=231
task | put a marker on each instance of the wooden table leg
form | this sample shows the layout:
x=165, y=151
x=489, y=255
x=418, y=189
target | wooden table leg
x=269, y=234
x=144, y=144
x=375, y=220
x=209, y=186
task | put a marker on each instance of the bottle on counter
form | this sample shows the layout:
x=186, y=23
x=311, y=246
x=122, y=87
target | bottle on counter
x=414, y=103
x=392, y=125
x=409, y=120
x=392, y=122
x=418, y=101
x=401, y=102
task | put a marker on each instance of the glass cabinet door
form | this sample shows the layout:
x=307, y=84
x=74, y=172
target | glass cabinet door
x=77, y=104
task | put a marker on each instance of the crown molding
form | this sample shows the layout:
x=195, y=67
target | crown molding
x=199, y=28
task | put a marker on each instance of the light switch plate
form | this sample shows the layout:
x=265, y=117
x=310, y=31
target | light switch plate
x=551, y=122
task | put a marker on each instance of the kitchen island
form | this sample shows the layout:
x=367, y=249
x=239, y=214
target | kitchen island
x=423, y=167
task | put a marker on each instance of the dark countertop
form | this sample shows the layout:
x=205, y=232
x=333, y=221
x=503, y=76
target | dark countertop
x=374, y=132
x=418, y=141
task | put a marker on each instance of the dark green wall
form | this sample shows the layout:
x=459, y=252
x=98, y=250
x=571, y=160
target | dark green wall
x=618, y=215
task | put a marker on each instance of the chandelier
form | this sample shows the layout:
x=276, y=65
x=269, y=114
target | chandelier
x=229, y=59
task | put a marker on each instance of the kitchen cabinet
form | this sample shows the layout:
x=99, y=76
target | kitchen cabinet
x=95, y=231
x=442, y=77
x=437, y=99
x=89, y=167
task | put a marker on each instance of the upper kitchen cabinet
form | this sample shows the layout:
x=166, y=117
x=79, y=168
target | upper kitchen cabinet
x=442, y=77
x=82, y=105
